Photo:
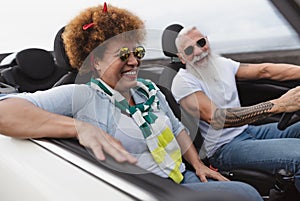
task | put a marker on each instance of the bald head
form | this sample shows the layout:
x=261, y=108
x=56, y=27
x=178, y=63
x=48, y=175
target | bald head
x=183, y=36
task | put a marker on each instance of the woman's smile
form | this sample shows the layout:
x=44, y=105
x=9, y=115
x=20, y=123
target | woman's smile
x=130, y=74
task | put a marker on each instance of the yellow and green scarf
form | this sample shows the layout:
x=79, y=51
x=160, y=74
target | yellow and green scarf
x=159, y=138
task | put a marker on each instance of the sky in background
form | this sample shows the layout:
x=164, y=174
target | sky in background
x=34, y=23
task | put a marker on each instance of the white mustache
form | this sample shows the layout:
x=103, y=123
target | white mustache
x=199, y=57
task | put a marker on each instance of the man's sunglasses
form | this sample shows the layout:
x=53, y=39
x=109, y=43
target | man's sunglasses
x=138, y=52
x=190, y=49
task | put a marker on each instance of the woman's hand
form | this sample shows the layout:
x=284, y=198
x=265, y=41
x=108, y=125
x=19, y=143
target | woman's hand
x=203, y=172
x=99, y=142
x=191, y=156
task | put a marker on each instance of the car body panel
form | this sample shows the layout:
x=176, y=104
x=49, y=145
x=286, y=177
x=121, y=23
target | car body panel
x=31, y=173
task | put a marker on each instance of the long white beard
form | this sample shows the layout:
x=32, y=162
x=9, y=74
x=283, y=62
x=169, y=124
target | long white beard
x=208, y=71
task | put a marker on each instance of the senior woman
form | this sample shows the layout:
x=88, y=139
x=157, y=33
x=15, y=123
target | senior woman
x=116, y=113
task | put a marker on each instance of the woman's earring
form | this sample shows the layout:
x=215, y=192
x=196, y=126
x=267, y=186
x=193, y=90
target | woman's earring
x=99, y=73
x=97, y=67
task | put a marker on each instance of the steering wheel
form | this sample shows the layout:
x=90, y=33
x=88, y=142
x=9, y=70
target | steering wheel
x=287, y=119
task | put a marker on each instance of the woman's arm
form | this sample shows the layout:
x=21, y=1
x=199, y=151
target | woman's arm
x=190, y=154
x=20, y=118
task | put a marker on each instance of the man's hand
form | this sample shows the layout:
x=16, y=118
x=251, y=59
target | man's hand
x=288, y=102
x=203, y=172
x=99, y=142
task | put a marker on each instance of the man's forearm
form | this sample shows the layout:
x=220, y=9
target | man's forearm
x=233, y=117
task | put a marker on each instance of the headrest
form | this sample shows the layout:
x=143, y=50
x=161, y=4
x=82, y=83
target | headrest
x=35, y=63
x=61, y=57
x=168, y=39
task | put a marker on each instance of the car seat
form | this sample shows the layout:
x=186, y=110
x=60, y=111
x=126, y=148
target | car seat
x=271, y=187
x=62, y=61
x=34, y=70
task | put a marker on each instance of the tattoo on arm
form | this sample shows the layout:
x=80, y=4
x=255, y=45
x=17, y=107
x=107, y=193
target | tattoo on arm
x=232, y=117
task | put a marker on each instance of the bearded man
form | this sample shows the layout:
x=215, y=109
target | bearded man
x=207, y=90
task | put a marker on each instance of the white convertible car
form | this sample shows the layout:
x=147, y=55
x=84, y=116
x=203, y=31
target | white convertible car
x=45, y=170
x=62, y=170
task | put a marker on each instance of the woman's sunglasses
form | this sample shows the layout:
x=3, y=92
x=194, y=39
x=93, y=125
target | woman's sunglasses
x=190, y=49
x=138, y=52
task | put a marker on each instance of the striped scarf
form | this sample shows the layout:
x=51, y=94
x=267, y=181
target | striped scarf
x=158, y=136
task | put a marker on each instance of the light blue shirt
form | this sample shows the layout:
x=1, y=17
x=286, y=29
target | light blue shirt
x=89, y=105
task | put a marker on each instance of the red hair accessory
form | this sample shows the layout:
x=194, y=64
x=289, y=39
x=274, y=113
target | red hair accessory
x=87, y=26
x=104, y=8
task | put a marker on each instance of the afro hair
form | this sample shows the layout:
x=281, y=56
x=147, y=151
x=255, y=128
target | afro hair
x=79, y=42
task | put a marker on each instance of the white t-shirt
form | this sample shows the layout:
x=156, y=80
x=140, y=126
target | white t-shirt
x=185, y=83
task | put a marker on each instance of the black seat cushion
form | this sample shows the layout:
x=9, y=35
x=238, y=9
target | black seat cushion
x=35, y=70
x=35, y=63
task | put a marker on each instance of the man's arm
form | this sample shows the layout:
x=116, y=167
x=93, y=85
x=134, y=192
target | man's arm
x=232, y=117
x=200, y=106
x=279, y=72
x=190, y=154
x=20, y=118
